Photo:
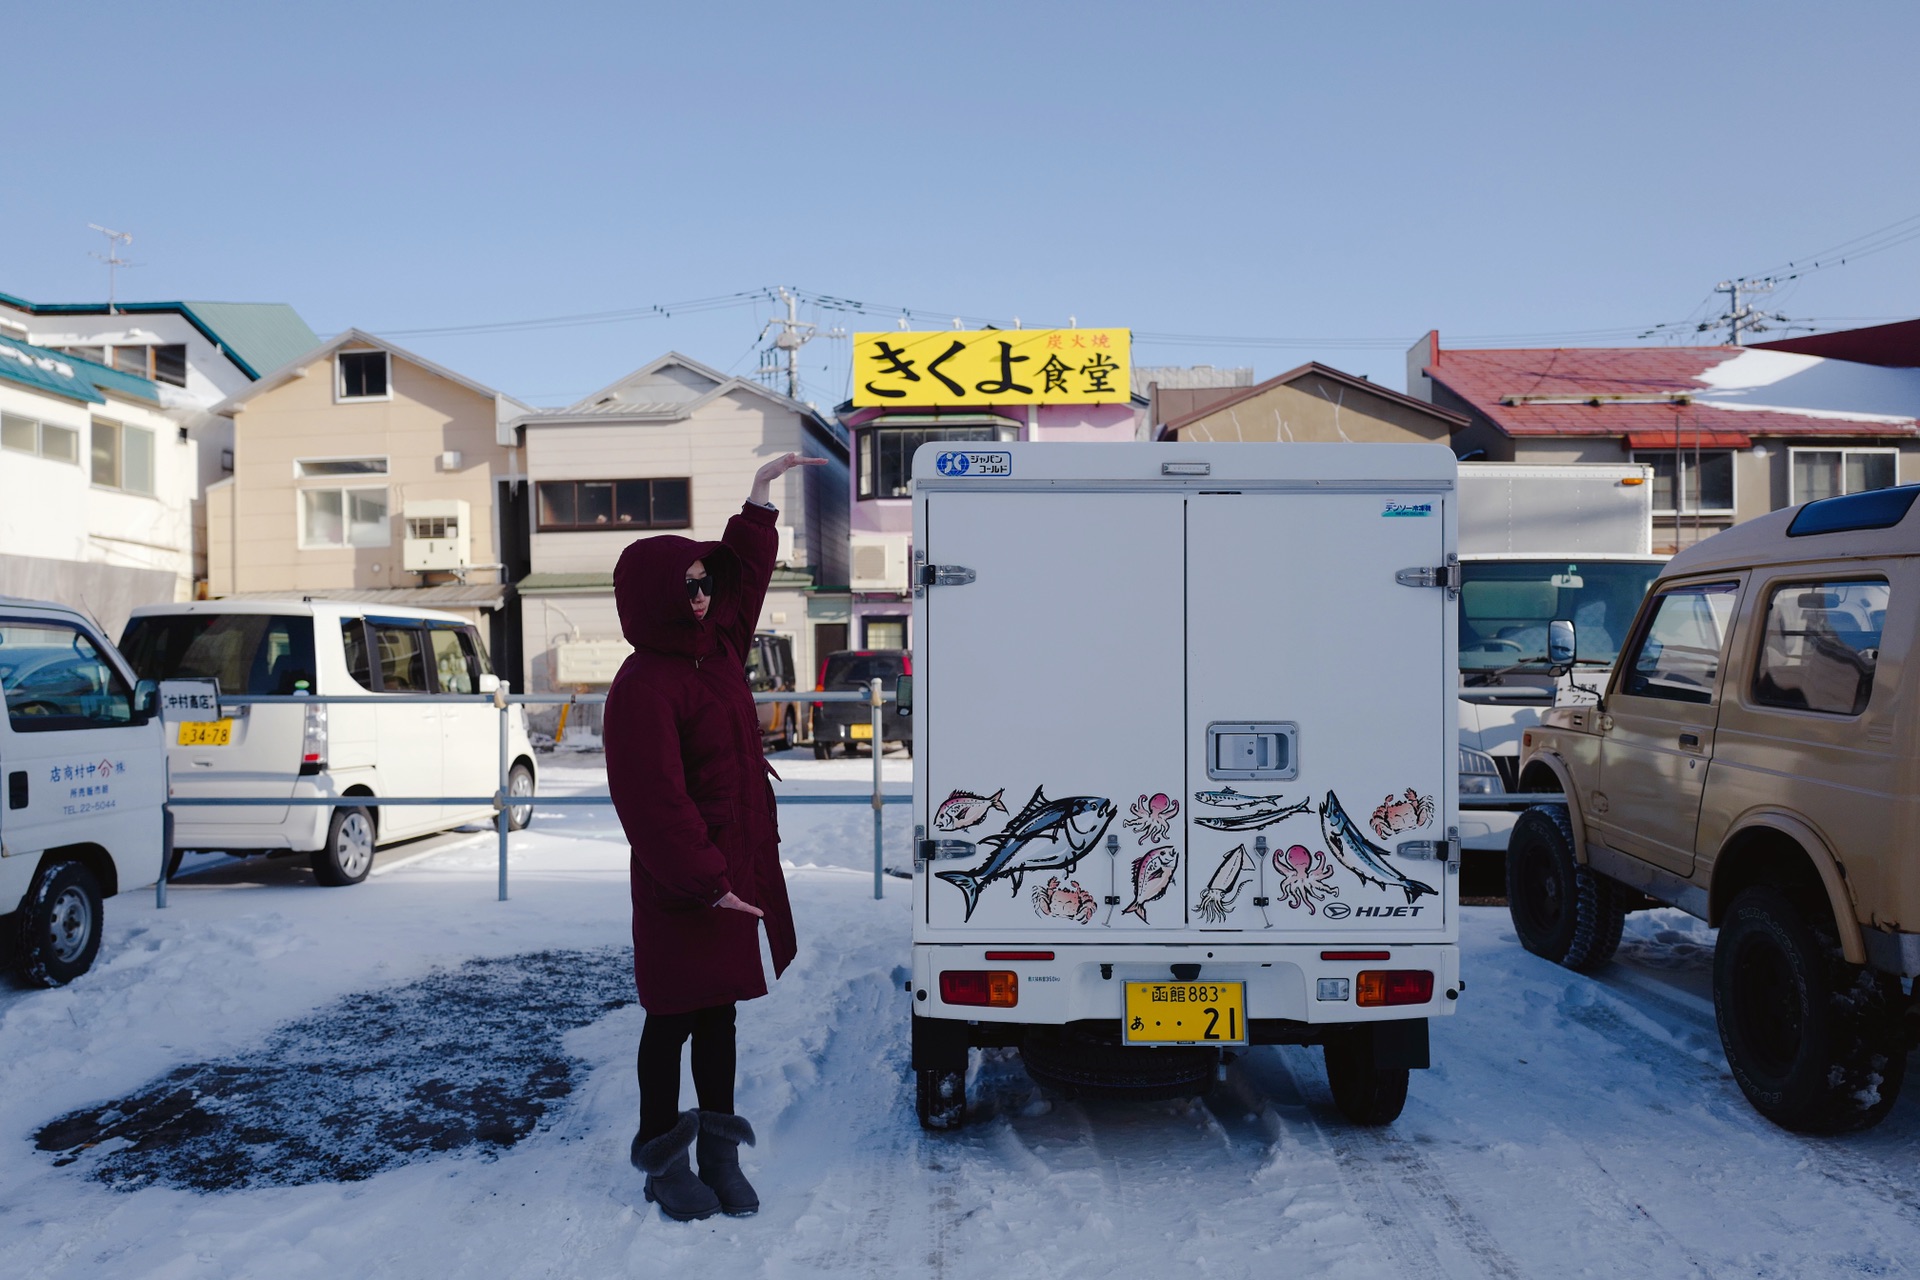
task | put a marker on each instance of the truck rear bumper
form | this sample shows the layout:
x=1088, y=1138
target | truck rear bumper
x=1083, y=983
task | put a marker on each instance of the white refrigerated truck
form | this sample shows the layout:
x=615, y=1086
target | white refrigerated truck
x=1184, y=762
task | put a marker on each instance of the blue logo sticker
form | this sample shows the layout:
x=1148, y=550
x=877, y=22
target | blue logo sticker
x=974, y=463
x=1408, y=509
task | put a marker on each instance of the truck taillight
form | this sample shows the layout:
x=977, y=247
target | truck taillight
x=1393, y=986
x=992, y=988
x=313, y=739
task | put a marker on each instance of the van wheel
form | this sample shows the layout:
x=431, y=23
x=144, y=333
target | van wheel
x=60, y=924
x=940, y=1099
x=1365, y=1093
x=1815, y=1043
x=1562, y=911
x=520, y=787
x=347, y=855
x=789, y=733
x=822, y=750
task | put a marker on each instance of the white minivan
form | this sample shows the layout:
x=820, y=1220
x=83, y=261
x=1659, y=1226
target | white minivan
x=329, y=648
x=85, y=767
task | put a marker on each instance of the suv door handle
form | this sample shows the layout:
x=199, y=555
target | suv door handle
x=1689, y=739
x=17, y=789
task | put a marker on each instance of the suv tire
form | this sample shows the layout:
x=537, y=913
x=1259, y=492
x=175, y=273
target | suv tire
x=1365, y=1093
x=60, y=924
x=1562, y=911
x=940, y=1099
x=1815, y=1043
x=347, y=856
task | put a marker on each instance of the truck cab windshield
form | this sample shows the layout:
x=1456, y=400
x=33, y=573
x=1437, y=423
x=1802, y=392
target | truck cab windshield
x=1505, y=606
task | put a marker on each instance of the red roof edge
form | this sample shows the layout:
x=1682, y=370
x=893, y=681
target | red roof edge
x=1894, y=346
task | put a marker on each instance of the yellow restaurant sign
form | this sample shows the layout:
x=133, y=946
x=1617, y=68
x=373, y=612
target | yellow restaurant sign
x=995, y=366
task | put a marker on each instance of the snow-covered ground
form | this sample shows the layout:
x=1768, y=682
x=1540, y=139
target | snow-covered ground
x=260, y=1031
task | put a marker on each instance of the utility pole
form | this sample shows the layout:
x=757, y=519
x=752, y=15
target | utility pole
x=1739, y=316
x=112, y=258
x=793, y=335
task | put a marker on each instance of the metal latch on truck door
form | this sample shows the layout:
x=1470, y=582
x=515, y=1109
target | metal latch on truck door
x=926, y=851
x=1446, y=575
x=937, y=575
x=1447, y=851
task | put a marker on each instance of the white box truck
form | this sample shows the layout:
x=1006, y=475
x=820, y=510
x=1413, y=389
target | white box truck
x=1184, y=762
x=1538, y=541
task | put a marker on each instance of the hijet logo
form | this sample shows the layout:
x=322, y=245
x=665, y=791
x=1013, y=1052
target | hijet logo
x=1408, y=509
x=1341, y=911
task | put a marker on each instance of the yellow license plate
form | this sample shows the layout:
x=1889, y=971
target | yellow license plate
x=206, y=733
x=861, y=731
x=1186, y=1013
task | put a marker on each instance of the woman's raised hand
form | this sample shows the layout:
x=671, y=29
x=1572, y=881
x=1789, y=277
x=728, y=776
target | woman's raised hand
x=732, y=902
x=763, y=478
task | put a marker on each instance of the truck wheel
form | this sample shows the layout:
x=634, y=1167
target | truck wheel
x=520, y=787
x=1815, y=1043
x=1365, y=1093
x=347, y=855
x=60, y=924
x=1562, y=911
x=940, y=1098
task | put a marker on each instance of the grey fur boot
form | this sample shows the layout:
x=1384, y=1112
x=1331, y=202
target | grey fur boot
x=670, y=1180
x=719, y=1152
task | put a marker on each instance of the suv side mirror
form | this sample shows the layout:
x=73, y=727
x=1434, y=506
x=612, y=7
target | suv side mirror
x=903, y=696
x=146, y=700
x=1562, y=645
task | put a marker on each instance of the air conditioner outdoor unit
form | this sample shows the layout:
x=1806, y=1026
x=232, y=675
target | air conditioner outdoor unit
x=439, y=536
x=879, y=562
x=588, y=661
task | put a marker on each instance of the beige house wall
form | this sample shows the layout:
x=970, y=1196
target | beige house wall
x=254, y=532
x=1312, y=408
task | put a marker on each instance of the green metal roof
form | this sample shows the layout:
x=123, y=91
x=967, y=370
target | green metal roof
x=68, y=376
x=258, y=337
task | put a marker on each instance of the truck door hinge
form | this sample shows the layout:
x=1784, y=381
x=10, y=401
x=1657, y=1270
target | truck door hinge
x=1446, y=575
x=1447, y=851
x=940, y=850
x=943, y=575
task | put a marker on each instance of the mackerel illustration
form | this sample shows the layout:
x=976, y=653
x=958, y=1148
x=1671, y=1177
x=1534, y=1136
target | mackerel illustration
x=1255, y=819
x=1361, y=856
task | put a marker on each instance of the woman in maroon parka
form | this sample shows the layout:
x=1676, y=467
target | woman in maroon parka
x=689, y=781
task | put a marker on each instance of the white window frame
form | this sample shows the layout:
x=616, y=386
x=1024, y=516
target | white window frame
x=1793, y=487
x=1680, y=485
x=120, y=467
x=346, y=523
x=340, y=395
x=386, y=467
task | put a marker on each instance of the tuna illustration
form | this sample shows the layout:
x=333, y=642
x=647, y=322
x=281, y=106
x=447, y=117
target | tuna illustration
x=1255, y=819
x=1152, y=873
x=1046, y=835
x=963, y=809
x=1228, y=798
x=1359, y=855
x=1223, y=891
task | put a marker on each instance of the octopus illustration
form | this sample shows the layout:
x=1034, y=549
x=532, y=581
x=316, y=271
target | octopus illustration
x=1067, y=902
x=1304, y=877
x=1401, y=813
x=1153, y=817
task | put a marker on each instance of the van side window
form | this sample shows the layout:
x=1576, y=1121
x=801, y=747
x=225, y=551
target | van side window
x=353, y=638
x=452, y=662
x=248, y=653
x=1821, y=645
x=1678, y=655
x=55, y=678
x=403, y=663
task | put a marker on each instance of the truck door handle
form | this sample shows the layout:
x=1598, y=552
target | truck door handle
x=1689, y=739
x=17, y=789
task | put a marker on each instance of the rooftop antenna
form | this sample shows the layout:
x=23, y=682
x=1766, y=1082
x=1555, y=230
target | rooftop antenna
x=112, y=258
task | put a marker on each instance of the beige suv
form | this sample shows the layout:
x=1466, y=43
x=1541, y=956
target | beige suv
x=1755, y=761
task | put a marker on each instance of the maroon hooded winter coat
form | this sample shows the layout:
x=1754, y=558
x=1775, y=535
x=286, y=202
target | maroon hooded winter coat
x=689, y=780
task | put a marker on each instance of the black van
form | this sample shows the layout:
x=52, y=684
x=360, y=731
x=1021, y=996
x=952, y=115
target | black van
x=844, y=724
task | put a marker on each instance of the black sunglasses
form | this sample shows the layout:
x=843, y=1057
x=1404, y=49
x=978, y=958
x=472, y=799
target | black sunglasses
x=700, y=587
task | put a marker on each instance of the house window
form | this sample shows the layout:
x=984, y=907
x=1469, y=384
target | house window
x=569, y=505
x=27, y=435
x=1829, y=473
x=885, y=633
x=307, y=468
x=332, y=518
x=1702, y=483
x=170, y=364
x=131, y=360
x=886, y=453
x=362, y=375
x=96, y=354
x=122, y=457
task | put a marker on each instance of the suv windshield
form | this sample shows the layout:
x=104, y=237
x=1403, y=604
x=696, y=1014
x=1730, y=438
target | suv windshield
x=855, y=669
x=254, y=653
x=1505, y=606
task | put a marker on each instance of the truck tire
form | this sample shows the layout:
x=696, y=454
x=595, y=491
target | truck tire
x=940, y=1098
x=1562, y=911
x=1815, y=1043
x=519, y=786
x=1366, y=1093
x=347, y=855
x=60, y=924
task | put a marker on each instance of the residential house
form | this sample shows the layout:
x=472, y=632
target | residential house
x=1314, y=402
x=1731, y=432
x=672, y=446
x=364, y=472
x=1173, y=391
x=96, y=486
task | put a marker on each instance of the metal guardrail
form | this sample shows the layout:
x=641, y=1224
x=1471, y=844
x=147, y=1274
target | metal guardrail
x=874, y=696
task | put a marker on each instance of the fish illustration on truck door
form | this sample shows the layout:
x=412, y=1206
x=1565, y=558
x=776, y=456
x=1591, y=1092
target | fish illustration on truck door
x=1359, y=855
x=1152, y=873
x=1046, y=835
x=963, y=810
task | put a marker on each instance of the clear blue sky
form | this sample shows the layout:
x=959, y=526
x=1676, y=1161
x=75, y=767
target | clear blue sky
x=1347, y=175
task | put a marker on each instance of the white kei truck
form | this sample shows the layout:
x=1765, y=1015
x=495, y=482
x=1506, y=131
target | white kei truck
x=1184, y=762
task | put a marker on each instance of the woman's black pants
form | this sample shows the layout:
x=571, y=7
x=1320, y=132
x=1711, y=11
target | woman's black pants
x=659, y=1065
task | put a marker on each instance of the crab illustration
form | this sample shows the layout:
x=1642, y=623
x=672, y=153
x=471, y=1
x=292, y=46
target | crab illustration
x=1153, y=817
x=1304, y=877
x=1402, y=813
x=1068, y=901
